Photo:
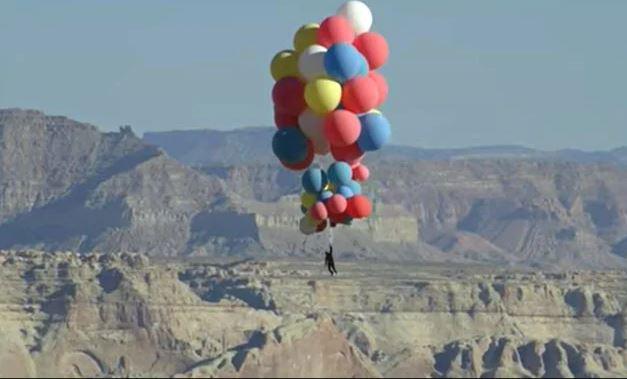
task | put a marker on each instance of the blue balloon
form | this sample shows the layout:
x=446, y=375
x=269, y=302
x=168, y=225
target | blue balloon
x=342, y=62
x=355, y=187
x=363, y=69
x=345, y=191
x=325, y=195
x=314, y=180
x=375, y=132
x=340, y=173
x=290, y=145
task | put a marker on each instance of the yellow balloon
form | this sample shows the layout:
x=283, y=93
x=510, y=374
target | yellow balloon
x=375, y=111
x=284, y=63
x=308, y=199
x=306, y=36
x=329, y=187
x=323, y=95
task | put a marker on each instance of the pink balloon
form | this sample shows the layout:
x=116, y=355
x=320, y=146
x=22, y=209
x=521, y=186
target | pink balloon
x=373, y=47
x=360, y=94
x=335, y=29
x=382, y=86
x=319, y=211
x=342, y=128
x=361, y=173
x=336, y=204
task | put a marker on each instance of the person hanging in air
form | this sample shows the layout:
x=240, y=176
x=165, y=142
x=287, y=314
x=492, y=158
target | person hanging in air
x=329, y=262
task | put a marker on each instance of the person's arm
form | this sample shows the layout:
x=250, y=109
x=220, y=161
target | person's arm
x=331, y=249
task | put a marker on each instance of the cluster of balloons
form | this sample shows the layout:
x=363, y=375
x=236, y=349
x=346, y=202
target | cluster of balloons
x=326, y=99
x=333, y=196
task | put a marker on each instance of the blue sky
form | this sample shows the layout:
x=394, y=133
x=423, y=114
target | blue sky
x=546, y=74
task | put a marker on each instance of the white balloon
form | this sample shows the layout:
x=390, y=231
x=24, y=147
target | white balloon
x=321, y=146
x=306, y=226
x=311, y=62
x=311, y=125
x=358, y=14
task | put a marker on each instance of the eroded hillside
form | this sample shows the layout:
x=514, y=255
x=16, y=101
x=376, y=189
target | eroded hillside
x=125, y=315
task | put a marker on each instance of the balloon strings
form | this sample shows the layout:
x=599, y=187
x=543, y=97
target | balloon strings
x=304, y=247
x=330, y=235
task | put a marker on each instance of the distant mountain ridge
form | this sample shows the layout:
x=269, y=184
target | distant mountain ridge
x=66, y=186
x=205, y=147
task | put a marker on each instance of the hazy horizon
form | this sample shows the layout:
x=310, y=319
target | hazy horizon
x=546, y=75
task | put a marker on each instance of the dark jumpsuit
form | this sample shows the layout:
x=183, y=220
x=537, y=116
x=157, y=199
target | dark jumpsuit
x=328, y=260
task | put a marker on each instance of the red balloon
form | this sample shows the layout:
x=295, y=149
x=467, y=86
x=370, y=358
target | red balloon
x=319, y=211
x=336, y=218
x=335, y=29
x=374, y=47
x=304, y=164
x=361, y=173
x=382, y=86
x=288, y=95
x=355, y=163
x=322, y=226
x=342, y=127
x=359, y=207
x=350, y=154
x=360, y=94
x=336, y=204
x=284, y=120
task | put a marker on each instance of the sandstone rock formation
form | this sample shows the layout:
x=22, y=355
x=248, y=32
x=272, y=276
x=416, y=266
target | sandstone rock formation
x=66, y=186
x=92, y=315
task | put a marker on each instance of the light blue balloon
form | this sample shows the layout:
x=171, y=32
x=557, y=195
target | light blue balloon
x=314, y=180
x=325, y=195
x=355, y=187
x=342, y=62
x=290, y=145
x=375, y=132
x=345, y=191
x=340, y=173
x=364, y=69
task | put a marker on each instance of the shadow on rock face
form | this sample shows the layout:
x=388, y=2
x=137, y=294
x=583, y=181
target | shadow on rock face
x=110, y=280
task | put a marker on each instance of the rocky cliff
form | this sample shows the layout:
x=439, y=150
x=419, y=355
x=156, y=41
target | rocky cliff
x=125, y=315
x=66, y=186
x=207, y=147
x=504, y=211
